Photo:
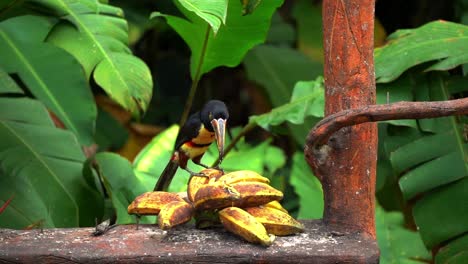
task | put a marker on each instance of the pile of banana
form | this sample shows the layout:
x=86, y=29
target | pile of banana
x=243, y=201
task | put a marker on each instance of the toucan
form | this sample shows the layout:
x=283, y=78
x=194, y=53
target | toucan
x=200, y=130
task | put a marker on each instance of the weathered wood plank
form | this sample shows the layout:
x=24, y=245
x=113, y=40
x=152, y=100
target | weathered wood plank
x=148, y=244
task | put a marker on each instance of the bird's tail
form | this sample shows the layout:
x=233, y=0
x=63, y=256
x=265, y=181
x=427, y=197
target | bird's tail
x=166, y=176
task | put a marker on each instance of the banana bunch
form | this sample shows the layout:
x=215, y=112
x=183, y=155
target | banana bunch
x=243, y=201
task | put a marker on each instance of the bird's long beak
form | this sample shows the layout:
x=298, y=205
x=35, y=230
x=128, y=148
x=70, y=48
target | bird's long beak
x=219, y=127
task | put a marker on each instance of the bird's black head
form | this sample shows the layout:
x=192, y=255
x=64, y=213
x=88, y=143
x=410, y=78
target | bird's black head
x=214, y=116
x=213, y=110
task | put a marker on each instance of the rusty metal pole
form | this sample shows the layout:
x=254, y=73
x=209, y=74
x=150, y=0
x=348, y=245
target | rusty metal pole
x=346, y=165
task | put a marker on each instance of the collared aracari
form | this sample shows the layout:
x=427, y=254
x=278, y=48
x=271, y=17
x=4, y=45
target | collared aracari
x=194, y=138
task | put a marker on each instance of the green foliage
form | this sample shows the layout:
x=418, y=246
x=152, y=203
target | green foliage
x=428, y=170
x=89, y=27
x=209, y=50
x=152, y=160
x=307, y=187
x=427, y=158
x=278, y=69
x=121, y=184
x=307, y=100
x=456, y=252
x=439, y=40
x=309, y=29
x=52, y=55
x=213, y=12
x=396, y=243
x=41, y=168
x=56, y=50
x=58, y=83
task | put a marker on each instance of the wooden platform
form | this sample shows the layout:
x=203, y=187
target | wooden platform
x=124, y=244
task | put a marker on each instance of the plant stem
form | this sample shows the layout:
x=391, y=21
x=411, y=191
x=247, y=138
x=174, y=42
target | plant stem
x=196, y=79
x=231, y=145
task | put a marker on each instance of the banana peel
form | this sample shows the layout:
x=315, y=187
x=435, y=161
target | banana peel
x=275, y=221
x=150, y=203
x=174, y=213
x=276, y=205
x=245, y=225
x=242, y=201
x=196, y=182
x=256, y=193
x=242, y=176
x=215, y=196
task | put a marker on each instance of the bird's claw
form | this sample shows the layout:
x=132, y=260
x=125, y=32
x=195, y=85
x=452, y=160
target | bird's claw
x=200, y=174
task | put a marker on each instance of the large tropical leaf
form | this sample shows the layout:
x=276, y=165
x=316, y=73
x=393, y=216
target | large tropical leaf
x=430, y=161
x=455, y=252
x=226, y=48
x=121, y=184
x=444, y=41
x=96, y=35
x=309, y=29
x=51, y=74
x=41, y=169
x=7, y=85
x=396, y=243
x=307, y=100
x=281, y=32
x=307, y=187
x=278, y=69
x=214, y=12
x=152, y=159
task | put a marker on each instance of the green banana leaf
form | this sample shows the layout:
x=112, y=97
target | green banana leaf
x=214, y=12
x=455, y=252
x=443, y=42
x=278, y=69
x=225, y=48
x=309, y=29
x=396, y=243
x=42, y=170
x=430, y=163
x=121, y=184
x=96, y=34
x=51, y=74
x=307, y=187
x=307, y=100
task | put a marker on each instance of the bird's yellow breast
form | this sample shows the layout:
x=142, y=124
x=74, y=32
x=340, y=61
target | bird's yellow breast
x=204, y=136
x=198, y=145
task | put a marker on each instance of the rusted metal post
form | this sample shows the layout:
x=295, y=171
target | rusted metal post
x=346, y=165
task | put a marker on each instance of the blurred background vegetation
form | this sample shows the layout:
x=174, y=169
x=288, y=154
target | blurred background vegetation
x=117, y=75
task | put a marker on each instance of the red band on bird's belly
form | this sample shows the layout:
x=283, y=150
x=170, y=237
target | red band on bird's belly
x=192, y=144
x=175, y=156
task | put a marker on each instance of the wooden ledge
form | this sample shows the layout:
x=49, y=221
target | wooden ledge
x=124, y=244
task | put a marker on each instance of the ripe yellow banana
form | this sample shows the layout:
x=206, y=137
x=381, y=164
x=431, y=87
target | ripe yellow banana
x=196, y=182
x=150, y=203
x=242, y=176
x=261, y=215
x=256, y=193
x=215, y=196
x=276, y=205
x=275, y=221
x=174, y=213
x=245, y=225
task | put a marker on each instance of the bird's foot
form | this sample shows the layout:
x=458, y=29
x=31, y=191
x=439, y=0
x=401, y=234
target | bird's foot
x=201, y=174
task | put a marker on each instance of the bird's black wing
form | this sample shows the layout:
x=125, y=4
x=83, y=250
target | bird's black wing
x=189, y=130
